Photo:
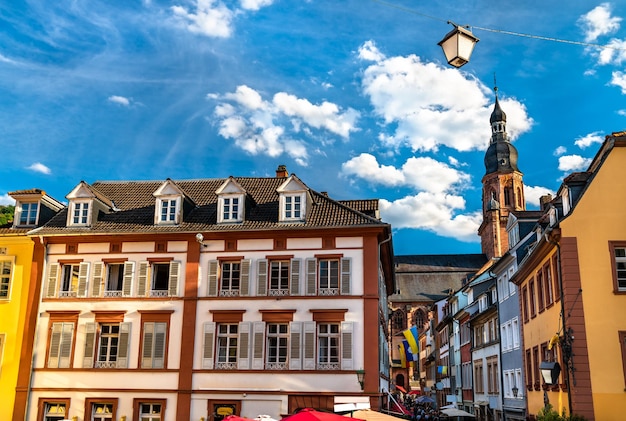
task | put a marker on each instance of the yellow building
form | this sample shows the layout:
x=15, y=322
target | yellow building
x=573, y=292
x=18, y=298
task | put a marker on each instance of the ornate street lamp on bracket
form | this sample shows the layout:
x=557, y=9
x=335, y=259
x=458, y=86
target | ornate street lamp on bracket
x=550, y=371
x=515, y=390
x=360, y=375
x=458, y=45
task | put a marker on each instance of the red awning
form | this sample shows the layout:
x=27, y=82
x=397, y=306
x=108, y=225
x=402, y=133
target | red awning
x=401, y=389
x=415, y=392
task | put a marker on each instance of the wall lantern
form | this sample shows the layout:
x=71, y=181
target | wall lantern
x=550, y=371
x=458, y=45
x=515, y=390
x=360, y=375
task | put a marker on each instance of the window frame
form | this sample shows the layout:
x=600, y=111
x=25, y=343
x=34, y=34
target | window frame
x=622, y=339
x=173, y=209
x=615, y=262
x=79, y=214
x=90, y=402
x=156, y=319
x=226, y=214
x=330, y=342
x=31, y=220
x=44, y=402
x=479, y=380
x=227, y=340
x=283, y=284
x=293, y=206
x=65, y=320
x=138, y=402
x=325, y=286
x=6, y=280
x=281, y=362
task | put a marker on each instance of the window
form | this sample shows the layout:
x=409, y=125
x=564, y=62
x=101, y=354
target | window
x=466, y=373
x=150, y=412
x=536, y=374
x=525, y=303
x=2, y=339
x=529, y=370
x=557, y=286
x=492, y=375
x=80, y=214
x=293, y=207
x=230, y=209
x=516, y=332
x=6, y=270
x=479, y=335
x=547, y=284
x=329, y=277
x=115, y=280
x=28, y=214
x=328, y=346
x=112, y=339
x=60, y=344
x=69, y=282
x=622, y=341
x=227, y=336
x=479, y=385
x=619, y=267
x=54, y=411
x=466, y=333
x=158, y=279
x=540, y=291
x=532, y=297
x=154, y=338
x=277, y=346
x=169, y=208
x=398, y=320
x=231, y=272
x=279, y=277
x=101, y=411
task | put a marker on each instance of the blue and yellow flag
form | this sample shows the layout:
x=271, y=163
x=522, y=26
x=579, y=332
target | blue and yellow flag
x=412, y=339
x=402, y=356
x=408, y=352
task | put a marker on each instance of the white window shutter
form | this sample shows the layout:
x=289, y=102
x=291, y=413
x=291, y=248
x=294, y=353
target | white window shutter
x=147, y=345
x=96, y=281
x=309, y=346
x=347, y=346
x=208, y=345
x=294, y=281
x=53, y=276
x=55, y=345
x=83, y=275
x=160, y=337
x=295, y=346
x=90, y=341
x=261, y=277
x=244, y=285
x=258, y=345
x=311, y=276
x=212, y=279
x=243, y=361
x=173, y=278
x=65, y=349
x=127, y=281
x=142, y=279
x=124, y=346
x=346, y=275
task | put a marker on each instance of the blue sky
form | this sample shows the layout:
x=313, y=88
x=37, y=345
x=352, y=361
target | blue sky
x=353, y=96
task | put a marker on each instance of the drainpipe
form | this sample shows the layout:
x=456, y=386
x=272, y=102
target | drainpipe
x=566, y=347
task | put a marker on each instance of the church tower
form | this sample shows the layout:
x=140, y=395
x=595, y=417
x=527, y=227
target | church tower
x=503, y=188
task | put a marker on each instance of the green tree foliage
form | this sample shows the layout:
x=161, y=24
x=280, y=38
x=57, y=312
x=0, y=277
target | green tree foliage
x=548, y=413
x=6, y=214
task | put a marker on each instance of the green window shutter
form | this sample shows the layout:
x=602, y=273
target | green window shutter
x=127, y=281
x=142, y=278
x=244, y=286
x=173, y=279
x=124, y=346
x=53, y=276
x=90, y=340
x=309, y=346
x=212, y=278
x=311, y=276
x=98, y=278
x=346, y=275
x=207, y=346
x=347, y=360
x=294, y=273
x=258, y=345
x=83, y=275
x=295, y=346
x=261, y=277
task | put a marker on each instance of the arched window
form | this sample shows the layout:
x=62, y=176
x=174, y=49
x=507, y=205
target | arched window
x=419, y=319
x=398, y=320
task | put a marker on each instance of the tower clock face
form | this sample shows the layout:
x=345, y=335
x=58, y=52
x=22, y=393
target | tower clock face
x=502, y=161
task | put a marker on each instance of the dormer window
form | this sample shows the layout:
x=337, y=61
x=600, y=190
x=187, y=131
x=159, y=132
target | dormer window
x=293, y=196
x=79, y=214
x=168, y=208
x=231, y=198
x=26, y=214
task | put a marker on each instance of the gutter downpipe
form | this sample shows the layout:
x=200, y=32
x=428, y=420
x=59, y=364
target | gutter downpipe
x=566, y=358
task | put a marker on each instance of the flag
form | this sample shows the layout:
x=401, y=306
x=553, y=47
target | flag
x=402, y=356
x=408, y=352
x=442, y=369
x=411, y=337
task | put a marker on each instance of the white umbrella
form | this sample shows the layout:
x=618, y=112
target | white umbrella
x=455, y=412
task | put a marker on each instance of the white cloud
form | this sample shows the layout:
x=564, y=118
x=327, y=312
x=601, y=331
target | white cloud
x=588, y=140
x=534, y=193
x=622, y=112
x=619, y=79
x=599, y=22
x=255, y=4
x=573, y=163
x=369, y=52
x=268, y=127
x=5, y=199
x=614, y=53
x=116, y=99
x=426, y=105
x=211, y=18
x=559, y=151
x=39, y=167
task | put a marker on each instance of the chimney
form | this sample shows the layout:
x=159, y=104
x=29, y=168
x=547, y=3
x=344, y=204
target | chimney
x=544, y=201
x=281, y=171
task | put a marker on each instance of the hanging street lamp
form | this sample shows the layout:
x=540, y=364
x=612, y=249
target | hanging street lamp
x=458, y=45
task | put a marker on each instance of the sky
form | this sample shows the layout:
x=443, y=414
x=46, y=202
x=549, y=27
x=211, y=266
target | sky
x=353, y=96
